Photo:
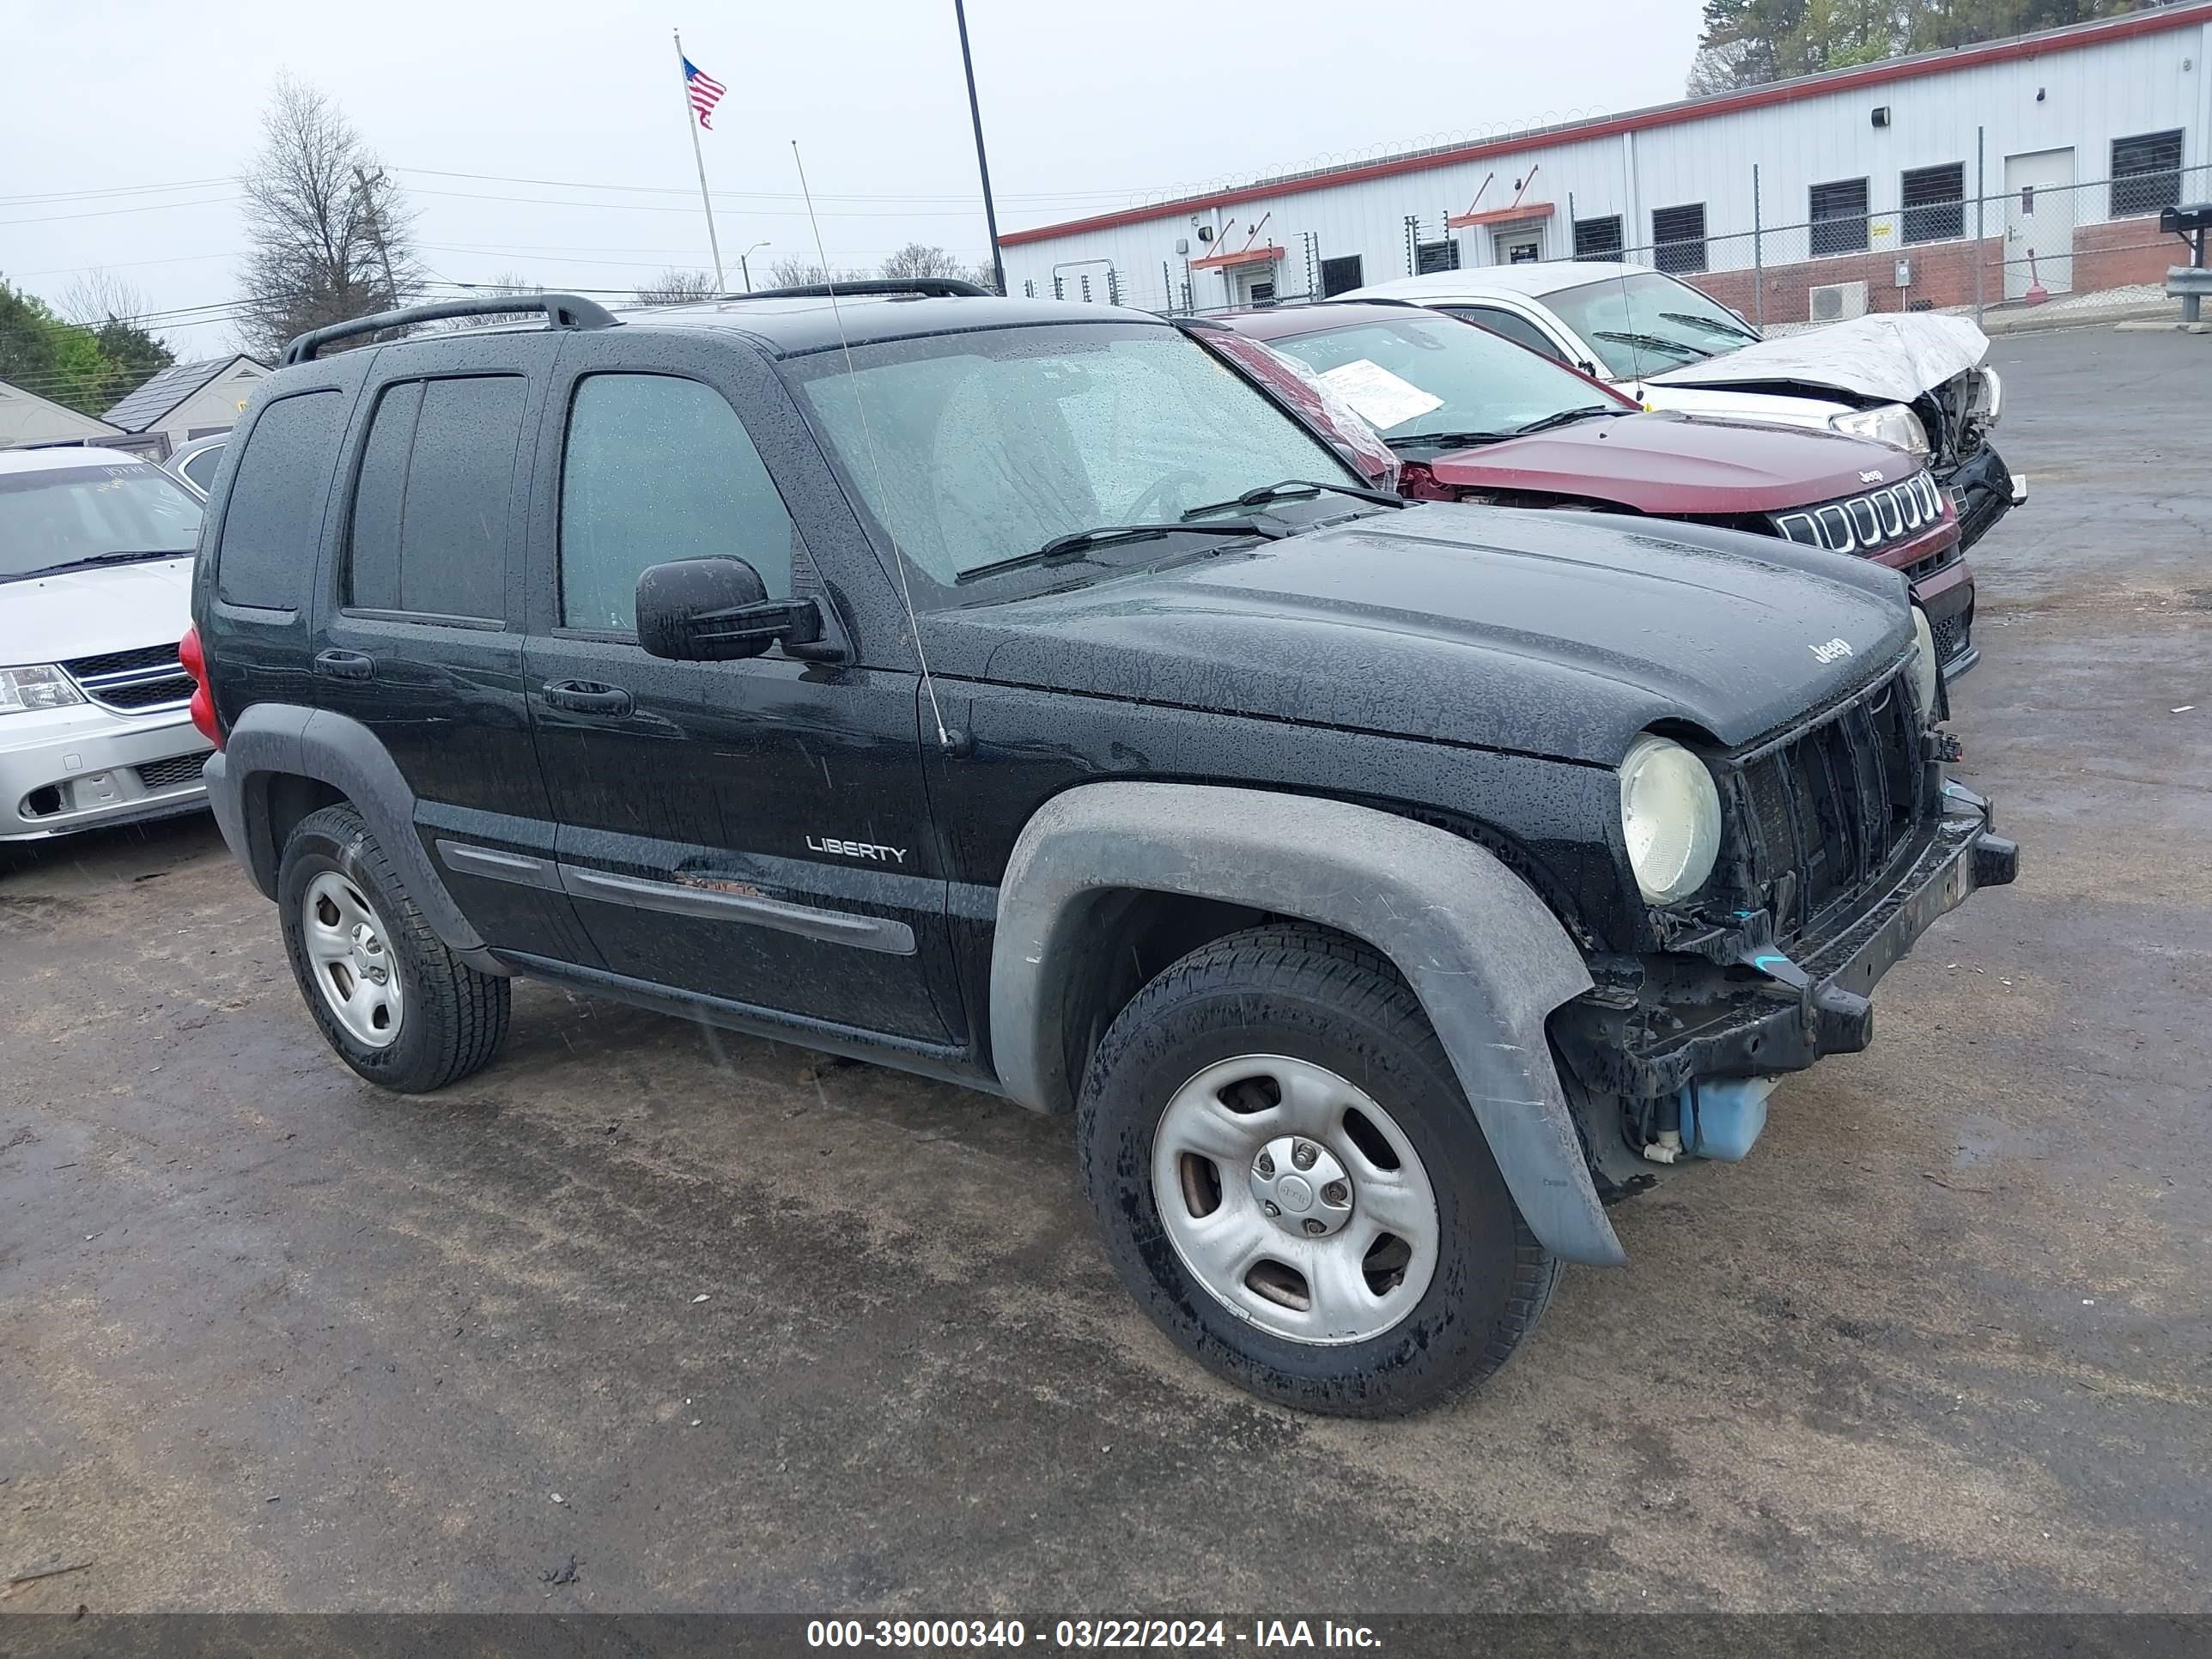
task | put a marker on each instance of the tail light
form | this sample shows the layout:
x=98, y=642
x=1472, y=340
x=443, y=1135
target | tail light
x=203, y=704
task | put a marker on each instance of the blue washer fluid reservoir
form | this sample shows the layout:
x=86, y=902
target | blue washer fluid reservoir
x=1722, y=1116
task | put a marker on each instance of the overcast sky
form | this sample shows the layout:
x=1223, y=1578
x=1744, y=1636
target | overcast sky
x=1087, y=108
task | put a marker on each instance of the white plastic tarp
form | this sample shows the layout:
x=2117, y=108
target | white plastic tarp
x=1893, y=357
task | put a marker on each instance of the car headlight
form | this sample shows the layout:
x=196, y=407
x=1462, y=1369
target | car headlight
x=1987, y=404
x=39, y=685
x=1890, y=424
x=1927, y=670
x=1670, y=818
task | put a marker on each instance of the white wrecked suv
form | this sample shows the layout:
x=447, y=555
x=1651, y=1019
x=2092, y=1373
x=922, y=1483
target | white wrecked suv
x=1916, y=381
x=95, y=585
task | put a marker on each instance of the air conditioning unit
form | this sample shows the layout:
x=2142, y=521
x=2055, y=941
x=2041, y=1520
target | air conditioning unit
x=1837, y=303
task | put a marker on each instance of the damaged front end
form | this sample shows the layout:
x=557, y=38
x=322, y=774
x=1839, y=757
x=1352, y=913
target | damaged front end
x=1915, y=380
x=1843, y=843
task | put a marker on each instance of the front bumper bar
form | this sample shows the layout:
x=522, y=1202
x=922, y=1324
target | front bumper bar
x=1672, y=1018
x=1983, y=491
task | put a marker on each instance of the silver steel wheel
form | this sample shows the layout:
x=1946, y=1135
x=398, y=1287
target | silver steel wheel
x=1295, y=1199
x=345, y=944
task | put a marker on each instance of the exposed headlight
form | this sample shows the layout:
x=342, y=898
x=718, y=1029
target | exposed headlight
x=1670, y=817
x=1986, y=403
x=1927, y=671
x=39, y=685
x=1889, y=424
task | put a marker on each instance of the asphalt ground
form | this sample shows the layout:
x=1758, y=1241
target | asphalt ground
x=272, y=1339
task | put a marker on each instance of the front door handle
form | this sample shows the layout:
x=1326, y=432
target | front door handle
x=588, y=697
x=344, y=665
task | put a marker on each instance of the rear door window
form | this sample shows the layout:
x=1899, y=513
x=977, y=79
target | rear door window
x=272, y=524
x=428, y=535
x=1513, y=326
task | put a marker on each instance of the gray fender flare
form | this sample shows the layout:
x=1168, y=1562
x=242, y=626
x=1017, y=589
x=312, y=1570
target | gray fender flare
x=333, y=749
x=1487, y=959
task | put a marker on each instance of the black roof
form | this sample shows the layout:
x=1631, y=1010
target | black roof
x=791, y=327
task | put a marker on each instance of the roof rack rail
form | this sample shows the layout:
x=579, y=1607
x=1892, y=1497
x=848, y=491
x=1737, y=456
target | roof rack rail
x=934, y=287
x=562, y=310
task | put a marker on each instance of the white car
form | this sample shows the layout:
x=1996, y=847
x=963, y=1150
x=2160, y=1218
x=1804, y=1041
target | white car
x=1915, y=381
x=96, y=588
x=196, y=462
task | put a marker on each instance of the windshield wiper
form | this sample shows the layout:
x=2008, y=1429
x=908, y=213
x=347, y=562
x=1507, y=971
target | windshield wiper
x=1568, y=416
x=1267, y=493
x=1062, y=550
x=1446, y=440
x=1712, y=325
x=137, y=556
x=1655, y=343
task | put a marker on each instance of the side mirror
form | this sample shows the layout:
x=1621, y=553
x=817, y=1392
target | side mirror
x=716, y=610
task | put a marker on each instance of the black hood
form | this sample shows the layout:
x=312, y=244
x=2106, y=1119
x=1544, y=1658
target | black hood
x=1545, y=632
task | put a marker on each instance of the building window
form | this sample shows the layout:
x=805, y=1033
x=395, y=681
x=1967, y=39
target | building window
x=1839, y=217
x=1341, y=276
x=2146, y=173
x=1678, y=238
x=1598, y=238
x=1935, y=201
x=1435, y=255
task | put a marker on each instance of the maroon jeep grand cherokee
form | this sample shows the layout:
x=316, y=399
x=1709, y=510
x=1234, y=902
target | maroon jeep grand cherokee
x=1471, y=416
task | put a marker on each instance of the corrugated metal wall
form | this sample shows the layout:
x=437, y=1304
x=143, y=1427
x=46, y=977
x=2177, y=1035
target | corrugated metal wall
x=2081, y=97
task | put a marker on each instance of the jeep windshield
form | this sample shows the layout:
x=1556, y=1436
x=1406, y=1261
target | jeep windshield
x=70, y=518
x=1430, y=382
x=978, y=450
x=1644, y=324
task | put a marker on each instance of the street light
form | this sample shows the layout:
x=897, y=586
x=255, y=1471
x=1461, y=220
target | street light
x=745, y=270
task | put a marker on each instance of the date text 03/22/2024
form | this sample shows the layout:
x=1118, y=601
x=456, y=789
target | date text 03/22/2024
x=1257, y=1634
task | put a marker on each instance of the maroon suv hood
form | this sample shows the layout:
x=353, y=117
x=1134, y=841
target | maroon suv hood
x=1680, y=465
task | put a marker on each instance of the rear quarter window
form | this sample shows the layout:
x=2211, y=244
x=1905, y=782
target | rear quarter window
x=272, y=523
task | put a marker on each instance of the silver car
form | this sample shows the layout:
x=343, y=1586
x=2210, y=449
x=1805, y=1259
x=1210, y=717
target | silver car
x=96, y=581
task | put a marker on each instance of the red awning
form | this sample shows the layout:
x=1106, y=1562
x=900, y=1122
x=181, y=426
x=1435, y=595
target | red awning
x=1243, y=256
x=1501, y=216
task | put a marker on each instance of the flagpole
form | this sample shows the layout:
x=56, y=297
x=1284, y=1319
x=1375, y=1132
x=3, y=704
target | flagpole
x=691, y=121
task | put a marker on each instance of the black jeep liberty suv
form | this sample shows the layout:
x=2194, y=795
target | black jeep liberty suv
x=1009, y=691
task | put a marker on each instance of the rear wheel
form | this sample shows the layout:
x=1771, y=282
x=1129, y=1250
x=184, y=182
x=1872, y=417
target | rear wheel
x=394, y=1002
x=1291, y=1183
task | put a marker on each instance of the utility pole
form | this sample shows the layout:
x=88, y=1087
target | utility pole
x=368, y=187
x=982, y=162
x=744, y=270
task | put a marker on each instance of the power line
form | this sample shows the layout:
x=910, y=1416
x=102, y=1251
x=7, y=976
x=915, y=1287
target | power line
x=109, y=213
x=110, y=190
x=770, y=195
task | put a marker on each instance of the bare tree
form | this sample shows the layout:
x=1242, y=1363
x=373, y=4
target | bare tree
x=100, y=295
x=792, y=271
x=673, y=287
x=499, y=287
x=916, y=260
x=329, y=235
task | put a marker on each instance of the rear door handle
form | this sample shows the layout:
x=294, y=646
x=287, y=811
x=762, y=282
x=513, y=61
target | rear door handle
x=588, y=697
x=344, y=665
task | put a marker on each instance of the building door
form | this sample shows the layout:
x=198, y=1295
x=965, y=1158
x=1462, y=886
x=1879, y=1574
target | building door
x=1518, y=244
x=1254, y=284
x=2038, y=222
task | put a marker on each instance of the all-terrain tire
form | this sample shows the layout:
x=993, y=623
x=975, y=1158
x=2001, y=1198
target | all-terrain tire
x=454, y=1019
x=1318, y=997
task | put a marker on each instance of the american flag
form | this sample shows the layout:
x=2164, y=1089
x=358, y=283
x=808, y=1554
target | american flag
x=706, y=91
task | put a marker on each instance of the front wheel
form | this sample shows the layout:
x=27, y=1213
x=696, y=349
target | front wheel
x=1291, y=1183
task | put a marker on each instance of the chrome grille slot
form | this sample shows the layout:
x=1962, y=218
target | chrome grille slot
x=1867, y=523
x=133, y=682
